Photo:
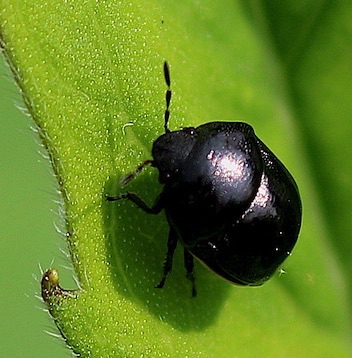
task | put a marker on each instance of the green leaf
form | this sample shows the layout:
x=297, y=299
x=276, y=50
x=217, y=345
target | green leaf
x=91, y=75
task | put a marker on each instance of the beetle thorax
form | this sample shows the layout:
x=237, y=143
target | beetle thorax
x=170, y=151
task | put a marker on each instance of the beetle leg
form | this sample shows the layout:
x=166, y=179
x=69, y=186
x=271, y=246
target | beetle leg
x=189, y=266
x=171, y=246
x=155, y=209
x=127, y=178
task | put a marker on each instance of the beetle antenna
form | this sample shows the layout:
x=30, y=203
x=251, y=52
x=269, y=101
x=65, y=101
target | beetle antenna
x=167, y=97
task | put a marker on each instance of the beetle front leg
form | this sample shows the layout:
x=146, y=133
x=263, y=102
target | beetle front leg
x=155, y=209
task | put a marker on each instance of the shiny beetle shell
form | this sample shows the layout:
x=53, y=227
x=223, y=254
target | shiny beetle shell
x=228, y=200
x=231, y=202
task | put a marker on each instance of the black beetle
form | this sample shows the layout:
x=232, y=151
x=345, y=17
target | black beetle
x=227, y=198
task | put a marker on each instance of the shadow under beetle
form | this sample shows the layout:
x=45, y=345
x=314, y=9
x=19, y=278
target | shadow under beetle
x=227, y=198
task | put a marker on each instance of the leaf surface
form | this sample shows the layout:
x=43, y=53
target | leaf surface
x=91, y=75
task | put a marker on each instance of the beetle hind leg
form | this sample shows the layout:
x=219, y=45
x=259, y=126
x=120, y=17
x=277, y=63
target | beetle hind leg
x=189, y=266
x=171, y=247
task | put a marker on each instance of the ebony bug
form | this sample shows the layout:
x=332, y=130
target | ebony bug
x=227, y=198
